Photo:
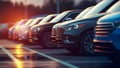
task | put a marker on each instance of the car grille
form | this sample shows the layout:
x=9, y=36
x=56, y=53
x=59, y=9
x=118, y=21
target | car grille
x=59, y=32
x=53, y=33
x=104, y=29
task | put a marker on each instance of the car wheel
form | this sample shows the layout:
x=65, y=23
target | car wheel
x=86, y=43
x=46, y=40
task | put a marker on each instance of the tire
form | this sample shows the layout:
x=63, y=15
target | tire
x=86, y=43
x=80, y=46
x=46, y=41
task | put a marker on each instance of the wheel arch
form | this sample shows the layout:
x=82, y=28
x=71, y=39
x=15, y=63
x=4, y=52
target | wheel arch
x=86, y=30
x=46, y=30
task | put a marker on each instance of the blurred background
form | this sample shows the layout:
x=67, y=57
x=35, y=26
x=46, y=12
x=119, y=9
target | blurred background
x=15, y=10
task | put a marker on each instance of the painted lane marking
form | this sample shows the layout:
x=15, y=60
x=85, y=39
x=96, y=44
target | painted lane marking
x=52, y=58
x=17, y=62
x=9, y=54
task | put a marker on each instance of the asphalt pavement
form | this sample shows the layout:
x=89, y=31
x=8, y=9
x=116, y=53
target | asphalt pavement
x=18, y=55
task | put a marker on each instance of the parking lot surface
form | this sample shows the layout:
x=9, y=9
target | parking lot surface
x=18, y=55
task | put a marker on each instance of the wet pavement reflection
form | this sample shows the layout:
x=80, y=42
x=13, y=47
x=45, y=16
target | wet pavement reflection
x=23, y=58
x=19, y=55
x=4, y=57
x=19, y=51
x=25, y=55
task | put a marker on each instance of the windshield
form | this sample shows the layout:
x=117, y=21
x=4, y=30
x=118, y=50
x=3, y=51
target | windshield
x=37, y=20
x=21, y=22
x=46, y=19
x=28, y=22
x=59, y=17
x=99, y=7
x=83, y=12
x=114, y=8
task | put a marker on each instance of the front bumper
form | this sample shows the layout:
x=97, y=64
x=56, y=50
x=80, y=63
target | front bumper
x=53, y=35
x=108, y=44
x=56, y=35
x=33, y=37
x=15, y=35
x=10, y=34
x=67, y=39
x=62, y=37
x=23, y=37
x=103, y=47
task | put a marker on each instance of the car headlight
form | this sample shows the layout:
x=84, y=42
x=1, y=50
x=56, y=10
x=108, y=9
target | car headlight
x=38, y=29
x=75, y=26
x=26, y=31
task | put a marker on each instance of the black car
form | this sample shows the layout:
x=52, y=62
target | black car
x=77, y=35
x=41, y=33
x=46, y=19
x=56, y=26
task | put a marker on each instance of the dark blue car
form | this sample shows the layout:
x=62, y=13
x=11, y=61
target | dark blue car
x=107, y=35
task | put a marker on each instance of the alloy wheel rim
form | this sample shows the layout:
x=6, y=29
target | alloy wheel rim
x=88, y=43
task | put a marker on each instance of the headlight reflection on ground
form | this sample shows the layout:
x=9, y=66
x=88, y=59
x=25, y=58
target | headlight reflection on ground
x=23, y=57
x=19, y=55
x=19, y=51
x=19, y=64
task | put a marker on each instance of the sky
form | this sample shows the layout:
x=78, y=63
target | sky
x=76, y=2
x=41, y=2
x=34, y=2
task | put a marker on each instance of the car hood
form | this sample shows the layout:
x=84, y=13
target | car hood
x=48, y=24
x=114, y=17
x=82, y=20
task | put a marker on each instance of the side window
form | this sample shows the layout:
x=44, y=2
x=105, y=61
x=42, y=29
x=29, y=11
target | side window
x=108, y=6
x=71, y=16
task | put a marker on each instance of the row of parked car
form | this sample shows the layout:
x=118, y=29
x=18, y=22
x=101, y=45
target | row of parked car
x=94, y=30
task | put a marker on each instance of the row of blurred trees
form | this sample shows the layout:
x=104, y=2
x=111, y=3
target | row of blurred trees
x=11, y=13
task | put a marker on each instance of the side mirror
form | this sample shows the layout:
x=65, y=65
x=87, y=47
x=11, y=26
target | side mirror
x=67, y=19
